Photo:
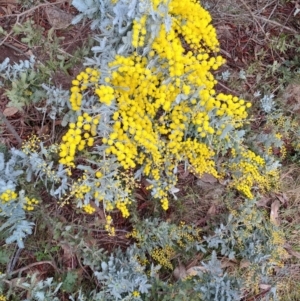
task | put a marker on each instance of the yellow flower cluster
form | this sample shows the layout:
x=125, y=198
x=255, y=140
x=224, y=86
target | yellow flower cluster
x=278, y=238
x=135, y=294
x=31, y=145
x=279, y=254
x=135, y=126
x=193, y=23
x=164, y=203
x=283, y=152
x=143, y=261
x=90, y=78
x=249, y=170
x=121, y=205
x=168, y=46
x=108, y=226
x=133, y=234
x=80, y=84
x=30, y=204
x=88, y=209
x=7, y=196
x=252, y=280
x=79, y=190
x=105, y=94
x=163, y=256
x=120, y=201
x=167, y=110
x=139, y=32
x=98, y=174
x=79, y=135
x=181, y=236
x=150, y=128
x=162, y=193
x=272, y=180
x=199, y=157
x=3, y=298
x=186, y=235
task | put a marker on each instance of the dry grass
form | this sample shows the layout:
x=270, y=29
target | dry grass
x=290, y=185
x=289, y=279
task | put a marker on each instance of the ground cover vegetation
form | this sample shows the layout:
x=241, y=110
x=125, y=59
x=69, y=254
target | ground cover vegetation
x=149, y=150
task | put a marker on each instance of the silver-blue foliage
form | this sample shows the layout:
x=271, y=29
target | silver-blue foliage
x=122, y=275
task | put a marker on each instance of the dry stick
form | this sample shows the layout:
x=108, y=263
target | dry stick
x=11, y=129
x=272, y=12
x=12, y=263
x=267, y=5
x=15, y=48
x=34, y=264
x=277, y=24
x=266, y=20
x=32, y=9
x=79, y=261
x=253, y=16
x=225, y=87
x=25, y=13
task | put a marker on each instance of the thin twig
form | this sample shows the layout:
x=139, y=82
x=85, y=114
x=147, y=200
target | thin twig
x=34, y=264
x=225, y=87
x=11, y=129
x=82, y=267
x=277, y=24
x=252, y=14
x=23, y=14
x=266, y=19
x=32, y=9
x=272, y=12
x=12, y=263
x=15, y=48
x=267, y=5
x=6, y=37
